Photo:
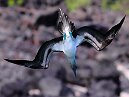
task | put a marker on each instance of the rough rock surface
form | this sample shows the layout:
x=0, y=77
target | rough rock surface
x=100, y=74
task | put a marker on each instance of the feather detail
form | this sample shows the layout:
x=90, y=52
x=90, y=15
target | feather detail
x=63, y=24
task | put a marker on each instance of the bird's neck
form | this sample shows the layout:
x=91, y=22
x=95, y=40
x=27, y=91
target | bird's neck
x=67, y=36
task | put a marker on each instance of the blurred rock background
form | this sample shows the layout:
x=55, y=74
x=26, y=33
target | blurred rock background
x=26, y=24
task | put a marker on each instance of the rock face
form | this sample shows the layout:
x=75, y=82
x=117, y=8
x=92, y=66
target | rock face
x=53, y=2
x=50, y=86
x=105, y=69
x=14, y=89
x=99, y=74
x=103, y=89
x=47, y=20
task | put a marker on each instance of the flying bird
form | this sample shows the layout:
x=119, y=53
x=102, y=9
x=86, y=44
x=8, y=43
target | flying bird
x=69, y=41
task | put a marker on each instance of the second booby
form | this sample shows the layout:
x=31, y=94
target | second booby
x=69, y=41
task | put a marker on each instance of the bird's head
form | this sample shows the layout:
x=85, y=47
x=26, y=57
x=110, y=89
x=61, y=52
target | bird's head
x=65, y=26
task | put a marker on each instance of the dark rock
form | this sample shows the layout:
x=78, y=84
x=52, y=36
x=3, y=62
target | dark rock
x=78, y=15
x=53, y=2
x=107, y=71
x=61, y=74
x=45, y=31
x=50, y=86
x=105, y=68
x=103, y=89
x=47, y=20
x=85, y=73
x=14, y=89
x=124, y=83
x=66, y=91
x=3, y=3
x=96, y=69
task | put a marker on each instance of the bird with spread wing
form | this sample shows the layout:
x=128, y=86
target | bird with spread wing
x=69, y=41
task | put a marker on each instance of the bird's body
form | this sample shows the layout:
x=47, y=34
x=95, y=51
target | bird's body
x=68, y=43
x=69, y=49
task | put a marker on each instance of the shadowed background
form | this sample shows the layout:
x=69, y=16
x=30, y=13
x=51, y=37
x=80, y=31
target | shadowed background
x=26, y=24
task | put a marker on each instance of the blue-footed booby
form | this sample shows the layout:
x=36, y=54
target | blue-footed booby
x=69, y=41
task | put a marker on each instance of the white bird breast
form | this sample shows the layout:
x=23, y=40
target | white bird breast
x=69, y=47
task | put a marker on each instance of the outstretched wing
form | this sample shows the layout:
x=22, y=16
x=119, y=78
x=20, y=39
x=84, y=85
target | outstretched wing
x=95, y=38
x=41, y=60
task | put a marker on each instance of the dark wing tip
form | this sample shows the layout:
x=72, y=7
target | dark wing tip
x=124, y=16
x=114, y=30
x=112, y=33
x=121, y=22
x=18, y=62
x=8, y=60
x=118, y=26
x=26, y=63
